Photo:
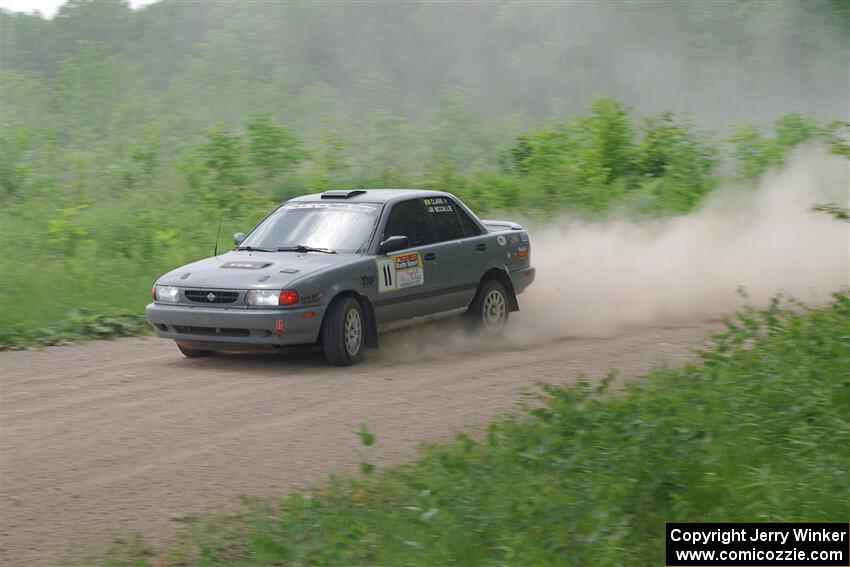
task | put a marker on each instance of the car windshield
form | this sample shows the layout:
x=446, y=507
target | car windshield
x=336, y=227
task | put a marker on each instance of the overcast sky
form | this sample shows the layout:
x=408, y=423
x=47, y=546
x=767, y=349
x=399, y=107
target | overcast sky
x=49, y=7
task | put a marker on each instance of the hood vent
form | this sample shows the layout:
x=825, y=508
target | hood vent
x=246, y=265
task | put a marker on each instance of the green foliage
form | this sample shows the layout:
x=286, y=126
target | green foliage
x=13, y=175
x=101, y=225
x=583, y=165
x=836, y=212
x=223, y=61
x=367, y=438
x=455, y=134
x=594, y=164
x=272, y=148
x=133, y=553
x=755, y=153
x=80, y=324
x=224, y=160
x=88, y=85
x=676, y=162
x=331, y=158
x=65, y=232
x=756, y=429
x=605, y=148
x=837, y=137
x=387, y=152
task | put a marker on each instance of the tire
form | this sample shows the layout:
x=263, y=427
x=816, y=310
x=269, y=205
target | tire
x=193, y=353
x=343, y=332
x=489, y=311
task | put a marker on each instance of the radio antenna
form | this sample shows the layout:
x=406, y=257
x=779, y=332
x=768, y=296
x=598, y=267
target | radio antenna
x=218, y=234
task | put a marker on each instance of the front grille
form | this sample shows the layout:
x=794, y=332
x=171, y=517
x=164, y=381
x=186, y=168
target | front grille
x=213, y=331
x=211, y=295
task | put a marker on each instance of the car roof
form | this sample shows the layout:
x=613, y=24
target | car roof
x=371, y=195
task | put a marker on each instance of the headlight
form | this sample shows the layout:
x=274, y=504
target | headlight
x=268, y=297
x=262, y=297
x=167, y=293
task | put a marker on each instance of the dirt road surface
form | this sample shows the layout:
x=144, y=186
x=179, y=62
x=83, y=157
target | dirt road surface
x=111, y=437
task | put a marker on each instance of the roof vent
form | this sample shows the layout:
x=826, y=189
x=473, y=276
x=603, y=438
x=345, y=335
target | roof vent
x=342, y=194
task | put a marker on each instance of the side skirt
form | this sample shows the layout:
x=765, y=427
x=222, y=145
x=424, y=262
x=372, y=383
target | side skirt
x=405, y=323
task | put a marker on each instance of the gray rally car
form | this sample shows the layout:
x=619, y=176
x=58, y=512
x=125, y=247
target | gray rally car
x=341, y=266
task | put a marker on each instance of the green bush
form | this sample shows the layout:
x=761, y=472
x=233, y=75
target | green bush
x=755, y=153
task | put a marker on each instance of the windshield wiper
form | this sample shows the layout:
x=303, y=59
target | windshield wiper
x=252, y=249
x=304, y=248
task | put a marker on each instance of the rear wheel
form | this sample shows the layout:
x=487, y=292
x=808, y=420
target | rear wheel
x=193, y=353
x=343, y=332
x=489, y=310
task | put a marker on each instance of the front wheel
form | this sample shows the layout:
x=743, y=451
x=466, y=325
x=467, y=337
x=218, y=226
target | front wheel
x=343, y=332
x=489, y=310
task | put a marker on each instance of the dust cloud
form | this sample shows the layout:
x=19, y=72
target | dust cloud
x=604, y=278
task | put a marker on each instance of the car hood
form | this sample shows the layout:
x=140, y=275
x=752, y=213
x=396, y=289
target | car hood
x=253, y=270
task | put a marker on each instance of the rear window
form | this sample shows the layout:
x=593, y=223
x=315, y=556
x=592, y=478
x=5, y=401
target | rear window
x=470, y=227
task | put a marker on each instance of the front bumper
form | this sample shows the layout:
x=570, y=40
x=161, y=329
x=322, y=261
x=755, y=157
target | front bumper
x=235, y=326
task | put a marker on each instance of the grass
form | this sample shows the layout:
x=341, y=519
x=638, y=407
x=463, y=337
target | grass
x=92, y=285
x=758, y=429
x=78, y=325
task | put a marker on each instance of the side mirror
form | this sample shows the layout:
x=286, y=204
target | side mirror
x=393, y=244
x=238, y=238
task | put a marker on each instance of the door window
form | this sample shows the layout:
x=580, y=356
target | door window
x=408, y=219
x=443, y=214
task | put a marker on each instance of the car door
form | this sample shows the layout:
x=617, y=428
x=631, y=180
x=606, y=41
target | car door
x=407, y=280
x=457, y=268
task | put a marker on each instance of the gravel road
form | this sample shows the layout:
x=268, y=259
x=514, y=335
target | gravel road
x=111, y=437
